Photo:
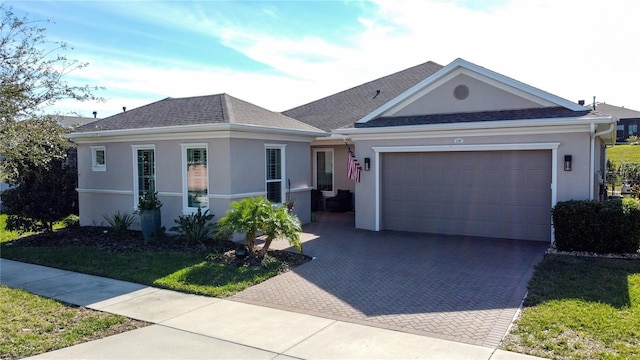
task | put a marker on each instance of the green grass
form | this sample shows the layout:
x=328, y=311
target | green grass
x=624, y=153
x=181, y=271
x=6, y=235
x=33, y=325
x=175, y=270
x=580, y=308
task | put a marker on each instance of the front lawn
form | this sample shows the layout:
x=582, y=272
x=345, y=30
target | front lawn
x=580, y=308
x=168, y=263
x=33, y=325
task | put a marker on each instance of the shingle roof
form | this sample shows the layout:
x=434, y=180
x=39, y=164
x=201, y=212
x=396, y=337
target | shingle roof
x=71, y=122
x=617, y=111
x=197, y=110
x=345, y=108
x=520, y=114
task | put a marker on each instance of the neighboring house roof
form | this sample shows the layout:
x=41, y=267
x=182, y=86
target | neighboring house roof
x=70, y=122
x=197, y=110
x=617, y=111
x=345, y=108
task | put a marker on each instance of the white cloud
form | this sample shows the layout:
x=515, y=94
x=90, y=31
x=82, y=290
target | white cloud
x=574, y=49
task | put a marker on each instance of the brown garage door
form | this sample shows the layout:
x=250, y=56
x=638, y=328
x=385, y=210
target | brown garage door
x=502, y=194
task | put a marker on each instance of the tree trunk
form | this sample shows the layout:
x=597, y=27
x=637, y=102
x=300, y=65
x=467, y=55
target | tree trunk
x=265, y=247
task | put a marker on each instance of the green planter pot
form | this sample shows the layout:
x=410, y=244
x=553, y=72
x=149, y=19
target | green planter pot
x=150, y=222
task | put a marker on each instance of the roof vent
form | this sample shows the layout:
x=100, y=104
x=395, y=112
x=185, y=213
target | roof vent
x=581, y=102
x=124, y=109
x=461, y=92
x=377, y=93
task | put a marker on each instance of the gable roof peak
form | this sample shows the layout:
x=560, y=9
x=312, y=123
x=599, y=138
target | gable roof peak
x=462, y=66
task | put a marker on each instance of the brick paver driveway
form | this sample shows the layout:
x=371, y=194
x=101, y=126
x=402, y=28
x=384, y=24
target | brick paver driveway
x=451, y=287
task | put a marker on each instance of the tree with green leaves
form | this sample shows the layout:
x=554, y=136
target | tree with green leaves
x=42, y=180
x=32, y=69
x=32, y=146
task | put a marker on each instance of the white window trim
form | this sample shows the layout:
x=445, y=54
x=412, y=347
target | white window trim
x=94, y=158
x=185, y=188
x=333, y=173
x=283, y=168
x=134, y=152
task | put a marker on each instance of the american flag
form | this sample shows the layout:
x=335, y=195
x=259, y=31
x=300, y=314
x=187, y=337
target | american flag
x=353, y=167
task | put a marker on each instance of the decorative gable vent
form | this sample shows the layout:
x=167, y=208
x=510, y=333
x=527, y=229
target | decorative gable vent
x=461, y=92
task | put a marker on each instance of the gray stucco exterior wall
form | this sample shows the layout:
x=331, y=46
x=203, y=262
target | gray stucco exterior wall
x=236, y=169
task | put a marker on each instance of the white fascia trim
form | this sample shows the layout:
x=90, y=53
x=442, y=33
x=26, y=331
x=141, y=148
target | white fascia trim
x=483, y=127
x=463, y=64
x=195, y=136
x=334, y=139
x=171, y=131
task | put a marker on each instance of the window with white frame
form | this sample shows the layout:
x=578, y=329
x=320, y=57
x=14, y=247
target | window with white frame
x=195, y=176
x=98, y=158
x=144, y=171
x=275, y=165
x=323, y=171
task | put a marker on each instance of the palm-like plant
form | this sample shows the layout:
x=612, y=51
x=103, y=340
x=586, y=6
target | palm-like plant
x=253, y=215
x=246, y=216
x=281, y=224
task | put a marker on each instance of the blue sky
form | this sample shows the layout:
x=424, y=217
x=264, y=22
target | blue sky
x=281, y=54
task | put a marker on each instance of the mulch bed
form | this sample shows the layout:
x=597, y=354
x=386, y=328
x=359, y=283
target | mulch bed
x=105, y=239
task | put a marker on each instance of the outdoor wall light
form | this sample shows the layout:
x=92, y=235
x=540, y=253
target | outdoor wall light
x=367, y=164
x=567, y=163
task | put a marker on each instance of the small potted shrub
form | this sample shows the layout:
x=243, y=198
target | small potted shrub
x=149, y=213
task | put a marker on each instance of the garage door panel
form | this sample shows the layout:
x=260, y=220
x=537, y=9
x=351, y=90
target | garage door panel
x=537, y=178
x=494, y=193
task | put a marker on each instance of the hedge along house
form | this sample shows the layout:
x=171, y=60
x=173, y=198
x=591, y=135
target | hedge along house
x=468, y=151
x=196, y=152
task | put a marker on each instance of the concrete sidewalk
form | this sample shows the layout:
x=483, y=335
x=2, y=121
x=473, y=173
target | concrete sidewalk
x=198, y=327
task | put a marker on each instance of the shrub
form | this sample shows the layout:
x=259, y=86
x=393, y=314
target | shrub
x=196, y=227
x=149, y=201
x=23, y=225
x=246, y=216
x=120, y=222
x=71, y=221
x=281, y=224
x=600, y=227
x=42, y=197
x=258, y=215
x=633, y=140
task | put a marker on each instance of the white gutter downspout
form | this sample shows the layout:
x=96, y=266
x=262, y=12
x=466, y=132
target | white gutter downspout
x=592, y=165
